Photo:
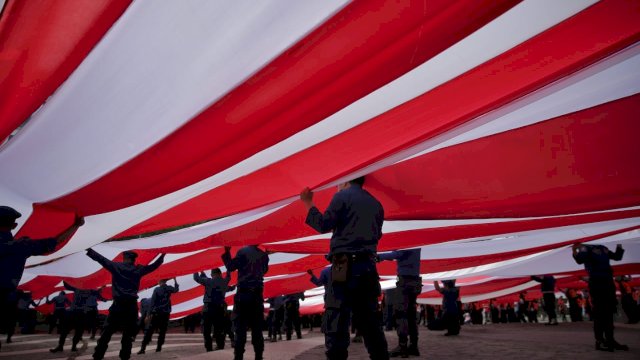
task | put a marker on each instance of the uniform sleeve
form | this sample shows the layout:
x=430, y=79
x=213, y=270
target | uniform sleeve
x=536, y=278
x=315, y=280
x=40, y=247
x=392, y=255
x=266, y=264
x=152, y=267
x=106, y=263
x=174, y=289
x=617, y=255
x=198, y=279
x=229, y=263
x=68, y=286
x=326, y=222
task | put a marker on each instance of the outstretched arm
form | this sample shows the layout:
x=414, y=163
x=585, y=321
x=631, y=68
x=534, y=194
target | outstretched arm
x=229, y=263
x=66, y=234
x=322, y=223
x=68, y=286
x=106, y=263
x=617, y=255
x=152, y=267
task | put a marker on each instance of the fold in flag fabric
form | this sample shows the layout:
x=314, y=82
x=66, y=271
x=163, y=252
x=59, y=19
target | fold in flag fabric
x=494, y=133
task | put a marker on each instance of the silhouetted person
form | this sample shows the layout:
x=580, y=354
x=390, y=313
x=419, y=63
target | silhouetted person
x=248, y=308
x=602, y=289
x=355, y=218
x=292, y=314
x=13, y=256
x=123, y=313
x=160, y=311
x=548, y=289
x=214, y=306
x=60, y=303
x=451, y=310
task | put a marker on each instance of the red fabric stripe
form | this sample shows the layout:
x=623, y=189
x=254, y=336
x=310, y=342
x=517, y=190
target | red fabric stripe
x=42, y=43
x=359, y=49
x=572, y=45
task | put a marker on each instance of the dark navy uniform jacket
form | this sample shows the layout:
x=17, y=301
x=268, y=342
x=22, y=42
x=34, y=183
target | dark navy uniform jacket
x=324, y=278
x=354, y=216
x=215, y=289
x=251, y=263
x=450, y=299
x=293, y=300
x=408, y=261
x=81, y=297
x=125, y=278
x=161, y=298
x=14, y=254
x=596, y=260
x=59, y=302
x=92, y=300
x=145, y=307
x=547, y=283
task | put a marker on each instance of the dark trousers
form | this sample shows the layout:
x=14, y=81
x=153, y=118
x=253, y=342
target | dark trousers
x=358, y=294
x=160, y=322
x=405, y=309
x=57, y=319
x=292, y=321
x=603, y=299
x=123, y=315
x=550, y=305
x=91, y=320
x=452, y=323
x=72, y=320
x=630, y=308
x=248, y=312
x=8, y=311
x=213, y=315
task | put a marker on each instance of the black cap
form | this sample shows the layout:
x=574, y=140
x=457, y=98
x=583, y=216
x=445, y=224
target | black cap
x=7, y=212
x=129, y=254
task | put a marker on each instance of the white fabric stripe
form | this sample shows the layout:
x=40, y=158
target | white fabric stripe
x=613, y=78
x=521, y=241
x=158, y=66
x=510, y=29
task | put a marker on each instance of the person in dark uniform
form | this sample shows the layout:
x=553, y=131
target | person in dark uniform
x=409, y=286
x=602, y=289
x=292, y=314
x=355, y=217
x=123, y=313
x=13, y=256
x=248, y=308
x=160, y=311
x=575, y=311
x=91, y=311
x=214, y=306
x=75, y=316
x=548, y=289
x=451, y=310
x=60, y=303
x=26, y=313
x=629, y=304
x=523, y=307
x=145, y=313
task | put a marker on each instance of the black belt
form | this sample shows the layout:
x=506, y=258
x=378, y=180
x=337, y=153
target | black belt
x=358, y=257
x=410, y=277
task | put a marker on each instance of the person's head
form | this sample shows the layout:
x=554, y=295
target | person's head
x=359, y=182
x=216, y=272
x=8, y=216
x=62, y=293
x=449, y=283
x=129, y=257
x=162, y=282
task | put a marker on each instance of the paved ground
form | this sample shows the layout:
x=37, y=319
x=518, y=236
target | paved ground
x=500, y=341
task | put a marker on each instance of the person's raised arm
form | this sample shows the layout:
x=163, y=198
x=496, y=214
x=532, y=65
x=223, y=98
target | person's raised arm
x=437, y=286
x=99, y=294
x=314, y=279
x=536, y=278
x=199, y=278
x=391, y=255
x=322, y=223
x=153, y=266
x=47, y=300
x=106, y=263
x=68, y=286
x=176, y=287
x=229, y=263
x=66, y=234
x=617, y=255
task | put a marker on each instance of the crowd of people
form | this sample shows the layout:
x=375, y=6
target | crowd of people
x=353, y=298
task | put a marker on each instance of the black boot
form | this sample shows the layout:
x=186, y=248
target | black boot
x=56, y=349
x=399, y=351
x=604, y=346
x=142, y=349
x=413, y=350
x=619, y=346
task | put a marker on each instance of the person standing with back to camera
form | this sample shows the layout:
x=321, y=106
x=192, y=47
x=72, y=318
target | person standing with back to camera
x=355, y=217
